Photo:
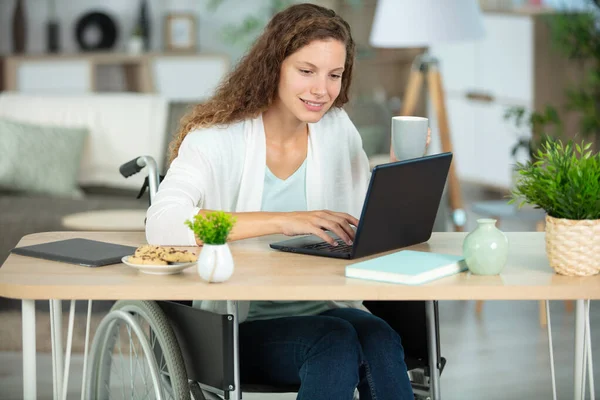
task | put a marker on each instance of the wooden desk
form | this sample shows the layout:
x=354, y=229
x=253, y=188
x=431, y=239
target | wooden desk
x=265, y=274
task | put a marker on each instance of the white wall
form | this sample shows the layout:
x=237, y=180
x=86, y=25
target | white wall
x=125, y=13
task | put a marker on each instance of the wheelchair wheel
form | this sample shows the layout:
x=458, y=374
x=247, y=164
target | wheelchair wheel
x=135, y=355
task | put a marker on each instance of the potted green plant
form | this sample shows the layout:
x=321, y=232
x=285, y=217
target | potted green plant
x=564, y=180
x=215, y=263
x=540, y=127
x=577, y=37
x=543, y=126
x=136, y=41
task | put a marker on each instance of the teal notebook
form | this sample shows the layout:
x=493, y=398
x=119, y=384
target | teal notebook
x=408, y=267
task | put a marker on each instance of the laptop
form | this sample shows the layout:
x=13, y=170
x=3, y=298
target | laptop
x=89, y=253
x=399, y=210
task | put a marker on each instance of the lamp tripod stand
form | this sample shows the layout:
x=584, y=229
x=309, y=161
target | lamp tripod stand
x=426, y=67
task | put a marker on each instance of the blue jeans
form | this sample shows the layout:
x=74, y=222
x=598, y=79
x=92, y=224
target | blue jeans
x=328, y=355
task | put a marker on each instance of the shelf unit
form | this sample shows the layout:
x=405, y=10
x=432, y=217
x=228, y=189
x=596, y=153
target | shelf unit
x=143, y=73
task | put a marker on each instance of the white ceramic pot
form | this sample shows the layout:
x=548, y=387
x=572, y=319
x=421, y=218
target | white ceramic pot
x=135, y=45
x=215, y=263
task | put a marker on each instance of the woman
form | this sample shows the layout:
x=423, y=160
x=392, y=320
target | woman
x=274, y=147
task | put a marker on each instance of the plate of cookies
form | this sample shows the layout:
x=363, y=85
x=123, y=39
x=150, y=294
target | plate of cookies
x=160, y=260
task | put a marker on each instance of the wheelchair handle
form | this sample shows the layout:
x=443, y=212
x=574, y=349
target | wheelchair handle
x=132, y=167
x=136, y=165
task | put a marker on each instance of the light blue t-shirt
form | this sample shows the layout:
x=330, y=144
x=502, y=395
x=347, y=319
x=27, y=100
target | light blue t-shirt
x=285, y=196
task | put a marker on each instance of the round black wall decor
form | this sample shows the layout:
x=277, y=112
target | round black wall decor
x=101, y=25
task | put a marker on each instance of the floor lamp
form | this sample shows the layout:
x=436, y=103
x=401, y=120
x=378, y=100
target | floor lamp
x=422, y=23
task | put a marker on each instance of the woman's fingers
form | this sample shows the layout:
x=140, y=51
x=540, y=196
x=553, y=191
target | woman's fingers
x=347, y=217
x=316, y=222
x=322, y=234
x=337, y=229
x=344, y=224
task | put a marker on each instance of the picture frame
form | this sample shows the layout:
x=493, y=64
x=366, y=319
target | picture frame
x=180, y=32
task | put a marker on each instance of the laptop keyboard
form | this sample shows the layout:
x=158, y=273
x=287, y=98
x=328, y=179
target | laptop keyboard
x=342, y=247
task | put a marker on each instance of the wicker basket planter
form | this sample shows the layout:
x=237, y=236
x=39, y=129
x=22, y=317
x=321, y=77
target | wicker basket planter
x=572, y=246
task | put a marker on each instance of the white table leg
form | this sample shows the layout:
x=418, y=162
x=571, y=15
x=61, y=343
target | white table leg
x=550, y=349
x=29, y=350
x=579, y=350
x=588, y=345
x=85, y=349
x=65, y=382
x=57, y=348
x=55, y=394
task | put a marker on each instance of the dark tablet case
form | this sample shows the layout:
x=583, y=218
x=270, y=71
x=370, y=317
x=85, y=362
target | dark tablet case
x=89, y=253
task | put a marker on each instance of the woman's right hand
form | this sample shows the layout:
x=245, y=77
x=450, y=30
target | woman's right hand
x=316, y=222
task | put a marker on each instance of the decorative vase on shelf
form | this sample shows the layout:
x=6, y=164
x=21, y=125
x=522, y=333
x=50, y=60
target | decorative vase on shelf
x=144, y=24
x=19, y=28
x=52, y=29
x=215, y=263
x=52, y=37
x=135, y=45
x=486, y=248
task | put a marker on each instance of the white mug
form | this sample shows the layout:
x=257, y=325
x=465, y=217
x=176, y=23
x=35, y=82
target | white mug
x=409, y=137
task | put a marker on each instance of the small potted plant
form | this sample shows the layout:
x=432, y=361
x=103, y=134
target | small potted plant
x=136, y=41
x=539, y=127
x=564, y=180
x=215, y=263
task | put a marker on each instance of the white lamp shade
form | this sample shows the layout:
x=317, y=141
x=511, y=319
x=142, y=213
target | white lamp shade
x=421, y=23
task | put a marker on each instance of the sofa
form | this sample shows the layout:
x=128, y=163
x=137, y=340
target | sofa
x=117, y=128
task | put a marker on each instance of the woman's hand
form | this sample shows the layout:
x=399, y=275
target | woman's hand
x=316, y=222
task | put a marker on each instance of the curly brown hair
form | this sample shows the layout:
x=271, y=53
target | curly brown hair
x=241, y=95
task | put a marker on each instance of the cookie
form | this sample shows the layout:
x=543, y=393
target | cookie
x=149, y=251
x=146, y=260
x=178, y=256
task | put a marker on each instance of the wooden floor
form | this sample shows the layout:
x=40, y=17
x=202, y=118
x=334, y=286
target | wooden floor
x=502, y=355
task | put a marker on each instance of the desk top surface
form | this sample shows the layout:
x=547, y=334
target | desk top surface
x=265, y=274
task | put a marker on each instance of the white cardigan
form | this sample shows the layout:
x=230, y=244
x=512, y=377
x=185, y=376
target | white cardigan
x=223, y=168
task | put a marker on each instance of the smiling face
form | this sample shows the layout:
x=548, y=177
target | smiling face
x=310, y=80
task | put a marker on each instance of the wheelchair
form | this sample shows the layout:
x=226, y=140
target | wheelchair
x=170, y=350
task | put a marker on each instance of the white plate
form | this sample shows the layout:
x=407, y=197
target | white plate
x=159, y=269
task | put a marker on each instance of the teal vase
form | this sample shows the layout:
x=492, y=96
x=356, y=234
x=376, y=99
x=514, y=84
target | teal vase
x=486, y=248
